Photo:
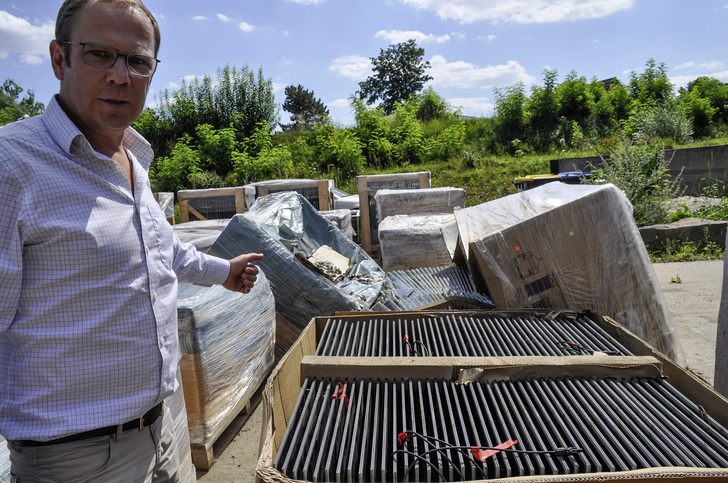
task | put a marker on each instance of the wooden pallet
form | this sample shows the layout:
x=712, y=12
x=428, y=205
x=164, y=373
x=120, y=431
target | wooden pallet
x=204, y=455
x=187, y=200
x=323, y=200
x=367, y=186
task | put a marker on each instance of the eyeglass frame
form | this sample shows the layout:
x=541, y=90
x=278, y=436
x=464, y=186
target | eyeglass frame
x=113, y=62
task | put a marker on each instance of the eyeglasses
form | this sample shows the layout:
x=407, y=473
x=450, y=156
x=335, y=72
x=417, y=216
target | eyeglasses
x=104, y=57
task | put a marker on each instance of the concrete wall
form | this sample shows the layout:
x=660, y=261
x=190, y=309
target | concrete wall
x=701, y=167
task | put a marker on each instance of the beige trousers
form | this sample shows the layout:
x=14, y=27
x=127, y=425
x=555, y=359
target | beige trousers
x=147, y=456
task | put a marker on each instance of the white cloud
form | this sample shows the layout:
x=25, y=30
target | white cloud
x=307, y=2
x=33, y=59
x=4, y=55
x=198, y=18
x=246, y=27
x=468, y=76
x=188, y=79
x=521, y=11
x=399, y=36
x=354, y=66
x=473, y=106
x=19, y=36
x=489, y=38
x=705, y=65
x=338, y=103
x=279, y=86
x=683, y=80
x=223, y=18
x=712, y=65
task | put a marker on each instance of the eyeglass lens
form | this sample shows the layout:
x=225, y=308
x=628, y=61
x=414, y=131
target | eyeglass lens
x=104, y=57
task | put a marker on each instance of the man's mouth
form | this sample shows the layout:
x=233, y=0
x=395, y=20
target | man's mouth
x=114, y=101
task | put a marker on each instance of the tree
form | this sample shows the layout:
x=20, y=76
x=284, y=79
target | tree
x=399, y=73
x=237, y=99
x=510, y=121
x=306, y=111
x=652, y=86
x=12, y=107
x=542, y=109
x=706, y=100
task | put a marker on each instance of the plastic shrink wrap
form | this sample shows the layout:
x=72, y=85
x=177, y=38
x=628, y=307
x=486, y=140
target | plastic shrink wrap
x=227, y=343
x=202, y=234
x=416, y=241
x=446, y=287
x=4, y=461
x=165, y=199
x=568, y=246
x=284, y=224
x=342, y=219
x=418, y=201
x=176, y=404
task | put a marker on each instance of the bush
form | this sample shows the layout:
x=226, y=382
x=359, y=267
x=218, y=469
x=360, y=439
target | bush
x=640, y=170
x=664, y=121
x=204, y=180
x=172, y=173
x=262, y=161
x=339, y=152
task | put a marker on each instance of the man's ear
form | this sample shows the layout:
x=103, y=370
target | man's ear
x=58, y=58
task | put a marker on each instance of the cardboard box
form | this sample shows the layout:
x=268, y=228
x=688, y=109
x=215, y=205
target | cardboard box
x=416, y=241
x=418, y=201
x=568, y=246
x=227, y=344
x=285, y=383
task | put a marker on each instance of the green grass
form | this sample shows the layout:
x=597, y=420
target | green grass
x=688, y=252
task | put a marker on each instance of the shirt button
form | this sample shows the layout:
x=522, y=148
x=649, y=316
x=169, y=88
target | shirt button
x=154, y=295
x=162, y=340
x=164, y=385
x=146, y=249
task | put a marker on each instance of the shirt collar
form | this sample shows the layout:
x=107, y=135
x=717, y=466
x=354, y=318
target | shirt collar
x=65, y=133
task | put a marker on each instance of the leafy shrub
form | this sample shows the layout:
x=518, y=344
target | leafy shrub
x=261, y=160
x=448, y=143
x=664, y=121
x=339, y=152
x=640, y=170
x=205, y=180
x=172, y=173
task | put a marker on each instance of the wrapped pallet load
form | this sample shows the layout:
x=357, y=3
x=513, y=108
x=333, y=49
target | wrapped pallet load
x=313, y=268
x=4, y=461
x=415, y=241
x=416, y=227
x=342, y=219
x=227, y=342
x=568, y=246
x=418, y=201
x=176, y=404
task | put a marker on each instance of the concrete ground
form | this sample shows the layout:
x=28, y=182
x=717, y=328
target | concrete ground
x=692, y=291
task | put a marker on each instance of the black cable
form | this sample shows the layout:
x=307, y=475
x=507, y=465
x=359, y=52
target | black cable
x=475, y=462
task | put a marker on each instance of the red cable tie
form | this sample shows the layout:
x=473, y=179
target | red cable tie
x=402, y=438
x=340, y=394
x=482, y=454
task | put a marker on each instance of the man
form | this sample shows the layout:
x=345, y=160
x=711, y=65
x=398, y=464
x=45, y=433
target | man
x=89, y=265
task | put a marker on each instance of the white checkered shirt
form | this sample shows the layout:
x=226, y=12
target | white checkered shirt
x=88, y=283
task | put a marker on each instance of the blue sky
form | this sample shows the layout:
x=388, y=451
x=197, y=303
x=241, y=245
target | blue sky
x=472, y=45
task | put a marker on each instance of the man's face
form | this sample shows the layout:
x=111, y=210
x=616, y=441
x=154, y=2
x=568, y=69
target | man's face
x=104, y=102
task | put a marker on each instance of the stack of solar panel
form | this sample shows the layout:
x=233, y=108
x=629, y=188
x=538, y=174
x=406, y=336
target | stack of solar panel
x=465, y=334
x=438, y=430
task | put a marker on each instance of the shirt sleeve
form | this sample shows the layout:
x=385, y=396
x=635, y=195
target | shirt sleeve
x=11, y=250
x=193, y=266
